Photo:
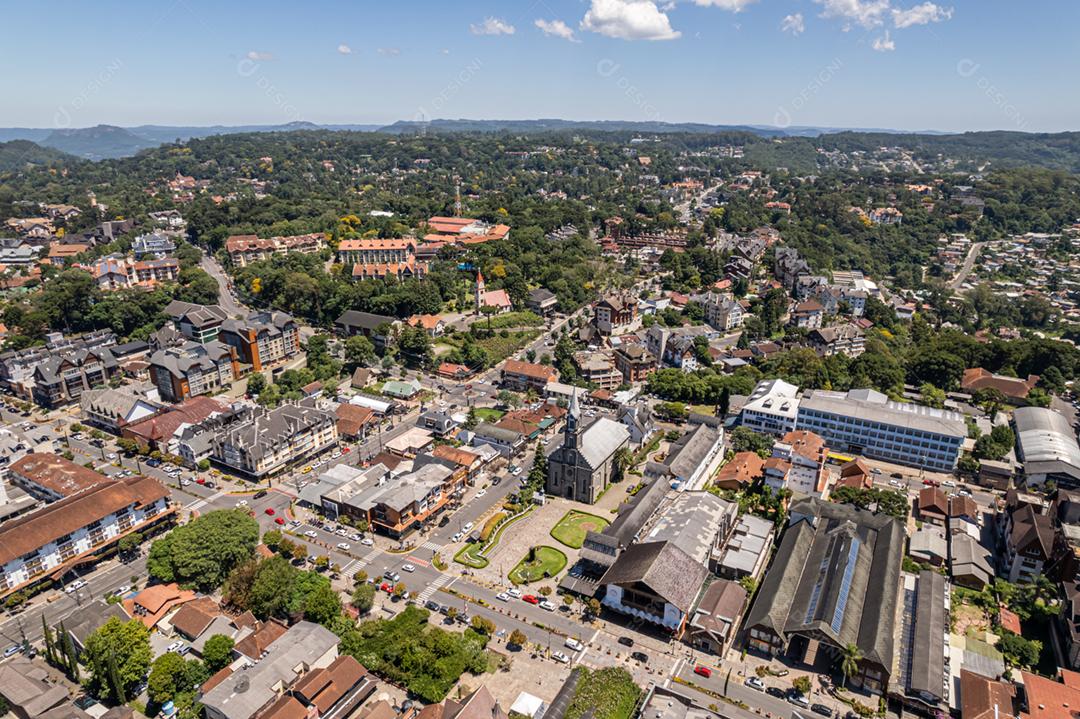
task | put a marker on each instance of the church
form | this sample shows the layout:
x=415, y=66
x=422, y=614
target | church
x=584, y=464
x=499, y=299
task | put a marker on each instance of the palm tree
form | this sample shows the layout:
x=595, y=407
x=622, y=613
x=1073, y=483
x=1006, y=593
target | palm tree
x=849, y=663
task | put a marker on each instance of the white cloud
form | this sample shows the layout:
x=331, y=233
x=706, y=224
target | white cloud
x=389, y=51
x=884, y=43
x=492, y=26
x=867, y=13
x=556, y=28
x=344, y=49
x=732, y=5
x=259, y=56
x=628, y=20
x=923, y=14
x=445, y=51
x=793, y=24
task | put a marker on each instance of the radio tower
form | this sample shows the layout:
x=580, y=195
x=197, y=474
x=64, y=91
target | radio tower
x=457, y=198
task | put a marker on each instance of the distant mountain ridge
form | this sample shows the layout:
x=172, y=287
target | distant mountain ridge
x=111, y=141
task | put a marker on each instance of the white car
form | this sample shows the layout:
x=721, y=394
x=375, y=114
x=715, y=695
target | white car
x=515, y=471
x=311, y=533
x=242, y=503
x=344, y=546
x=342, y=532
x=560, y=657
x=75, y=586
x=355, y=537
x=573, y=644
x=481, y=493
x=514, y=592
x=548, y=605
x=185, y=482
x=174, y=647
x=111, y=455
x=335, y=455
x=755, y=683
x=457, y=537
x=948, y=483
x=408, y=568
x=367, y=541
x=503, y=597
x=467, y=527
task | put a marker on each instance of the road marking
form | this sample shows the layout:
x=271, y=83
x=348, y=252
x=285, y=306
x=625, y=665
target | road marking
x=421, y=562
x=347, y=567
x=674, y=671
x=432, y=546
x=430, y=589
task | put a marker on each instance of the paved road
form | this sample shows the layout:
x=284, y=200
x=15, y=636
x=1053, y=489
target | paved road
x=965, y=269
x=226, y=297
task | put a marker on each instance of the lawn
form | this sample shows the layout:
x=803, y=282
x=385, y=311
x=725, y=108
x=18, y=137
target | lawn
x=469, y=555
x=488, y=414
x=608, y=693
x=548, y=562
x=572, y=528
x=513, y=319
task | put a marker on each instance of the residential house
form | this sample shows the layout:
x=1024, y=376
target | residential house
x=933, y=506
x=112, y=410
x=638, y=420
x=200, y=323
x=723, y=312
x=614, y=313
x=716, y=615
x=542, y=301
x=742, y=470
x=507, y=442
x=377, y=328
x=438, y=422
x=798, y=463
x=1030, y=542
x=432, y=324
x=846, y=339
x=355, y=422
x=808, y=314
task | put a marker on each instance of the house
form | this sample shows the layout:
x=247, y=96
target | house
x=402, y=389
x=414, y=441
x=259, y=442
x=716, y=616
x=377, y=328
x=354, y=422
x=153, y=604
x=477, y=705
x=199, y=323
x=1029, y=544
x=432, y=324
x=62, y=378
x=1014, y=389
x=747, y=550
x=928, y=544
x=583, y=465
x=846, y=339
x=723, y=312
x=470, y=461
x=638, y=420
x=740, y=471
x=440, y=423
x=852, y=558
x=855, y=474
x=114, y=409
x=985, y=698
x=30, y=692
x=523, y=376
x=808, y=314
x=449, y=370
x=153, y=245
x=160, y=430
x=970, y=564
x=542, y=301
x=933, y=506
x=798, y=463
x=693, y=458
x=507, y=442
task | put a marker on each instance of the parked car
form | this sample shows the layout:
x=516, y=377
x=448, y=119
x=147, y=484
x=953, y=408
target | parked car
x=270, y=511
x=344, y=546
x=822, y=710
x=640, y=656
x=260, y=494
x=457, y=537
x=279, y=520
x=626, y=641
x=798, y=699
x=560, y=658
x=514, y=592
x=481, y=493
x=755, y=683
x=548, y=605
x=776, y=692
x=467, y=527
x=13, y=649
x=704, y=671
x=432, y=605
x=530, y=599
x=391, y=575
x=503, y=597
x=367, y=541
x=311, y=533
x=573, y=644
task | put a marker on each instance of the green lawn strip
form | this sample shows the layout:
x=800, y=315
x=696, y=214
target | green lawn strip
x=489, y=414
x=549, y=562
x=571, y=529
x=470, y=556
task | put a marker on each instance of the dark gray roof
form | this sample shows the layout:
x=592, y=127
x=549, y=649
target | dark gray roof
x=632, y=517
x=830, y=554
x=664, y=568
x=541, y=294
x=197, y=315
x=363, y=320
x=689, y=451
x=928, y=651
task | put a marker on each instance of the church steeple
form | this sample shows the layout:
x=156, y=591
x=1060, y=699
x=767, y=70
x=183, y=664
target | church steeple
x=479, y=290
x=573, y=418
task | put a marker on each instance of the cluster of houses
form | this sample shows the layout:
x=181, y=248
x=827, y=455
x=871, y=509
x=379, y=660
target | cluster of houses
x=1047, y=265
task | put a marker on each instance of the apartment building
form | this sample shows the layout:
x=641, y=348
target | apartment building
x=772, y=408
x=200, y=323
x=193, y=369
x=634, y=362
x=121, y=273
x=521, y=376
x=245, y=249
x=798, y=464
x=17, y=366
x=62, y=378
x=866, y=422
x=262, y=339
x=262, y=441
x=78, y=529
x=614, y=313
x=846, y=339
x=723, y=312
x=154, y=245
x=51, y=478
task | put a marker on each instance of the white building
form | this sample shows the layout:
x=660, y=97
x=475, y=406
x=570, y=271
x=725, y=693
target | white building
x=772, y=408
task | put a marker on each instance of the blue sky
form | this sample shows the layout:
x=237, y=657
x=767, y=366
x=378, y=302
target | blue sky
x=904, y=64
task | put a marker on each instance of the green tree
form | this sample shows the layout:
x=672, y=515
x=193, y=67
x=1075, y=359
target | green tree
x=217, y=652
x=202, y=552
x=483, y=625
x=359, y=352
x=801, y=684
x=256, y=383
x=517, y=638
x=744, y=439
x=363, y=597
x=1018, y=651
x=118, y=656
x=931, y=395
x=129, y=544
x=850, y=657
x=167, y=677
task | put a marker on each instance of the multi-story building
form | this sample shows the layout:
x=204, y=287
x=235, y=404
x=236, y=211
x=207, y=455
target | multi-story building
x=1047, y=446
x=634, y=362
x=200, y=323
x=798, y=464
x=78, y=529
x=260, y=441
x=846, y=339
x=245, y=249
x=17, y=367
x=772, y=408
x=463, y=230
x=615, y=313
x=153, y=245
x=722, y=312
x=50, y=478
x=398, y=506
x=193, y=369
x=598, y=368
x=867, y=422
x=262, y=339
x=62, y=378
x=521, y=376
x=112, y=410
x=120, y=273
x=693, y=458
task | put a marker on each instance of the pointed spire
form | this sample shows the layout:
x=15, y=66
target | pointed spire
x=575, y=407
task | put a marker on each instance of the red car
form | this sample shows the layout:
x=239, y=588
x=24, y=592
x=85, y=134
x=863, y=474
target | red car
x=345, y=450
x=530, y=599
x=269, y=511
x=703, y=671
x=279, y=520
x=387, y=587
x=200, y=480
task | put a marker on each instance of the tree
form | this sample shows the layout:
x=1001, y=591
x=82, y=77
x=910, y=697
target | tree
x=272, y=588
x=256, y=383
x=1018, y=651
x=400, y=589
x=801, y=684
x=517, y=638
x=363, y=597
x=359, y=352
x=850, y=657
x=483, y=625
x=322, y=605
x=217, y=652
x=990, y=399
x=129, y=543
x=593, y=605
x=167, y=675
x=931, y=395
x=204, y=465
x=744, y=439
x=201, y=553
x=71, y=657
x=118, y=656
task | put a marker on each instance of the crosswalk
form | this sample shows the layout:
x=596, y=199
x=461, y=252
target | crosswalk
x=433, y=546
x=200, y=503
x=436, y=585
x=355, y=566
